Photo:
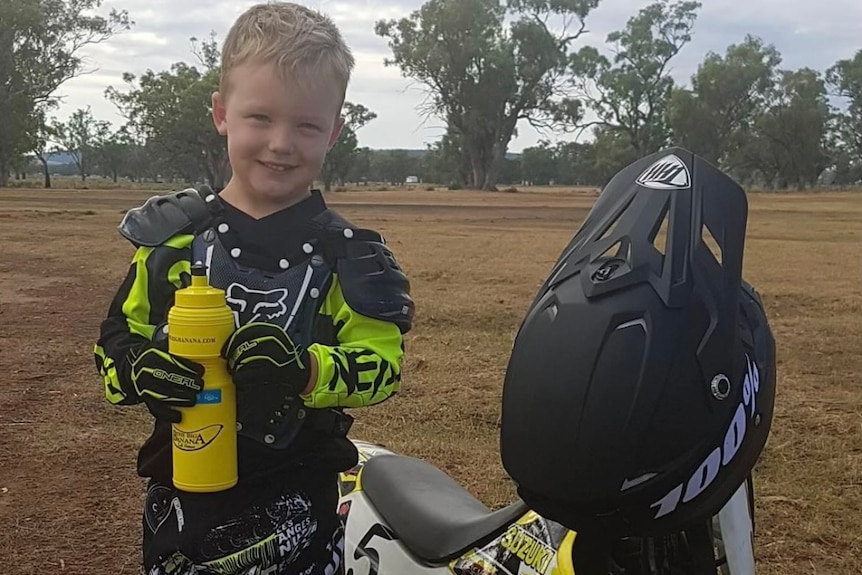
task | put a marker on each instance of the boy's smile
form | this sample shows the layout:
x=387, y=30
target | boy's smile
x=277, y=167
x=279, y=129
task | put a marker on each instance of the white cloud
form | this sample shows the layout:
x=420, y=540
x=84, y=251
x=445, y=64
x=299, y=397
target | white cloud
x=365, y=12
x=806, y=33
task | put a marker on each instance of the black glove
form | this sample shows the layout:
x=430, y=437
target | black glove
x=163, y=381
x=261, y=352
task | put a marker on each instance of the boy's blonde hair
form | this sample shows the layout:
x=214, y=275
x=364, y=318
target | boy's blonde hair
x=294, y=38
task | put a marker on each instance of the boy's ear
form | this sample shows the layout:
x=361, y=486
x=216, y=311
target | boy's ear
x=219, y=113
x=336, y=132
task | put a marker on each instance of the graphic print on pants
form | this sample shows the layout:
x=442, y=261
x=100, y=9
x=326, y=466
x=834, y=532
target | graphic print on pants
x=262, y=539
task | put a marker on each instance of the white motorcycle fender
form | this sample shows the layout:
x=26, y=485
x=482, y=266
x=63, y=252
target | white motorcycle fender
x=734, y=520
x=371, y=548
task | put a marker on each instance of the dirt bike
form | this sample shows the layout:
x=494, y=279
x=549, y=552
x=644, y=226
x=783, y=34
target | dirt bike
x=403, y=516
x=637, y=399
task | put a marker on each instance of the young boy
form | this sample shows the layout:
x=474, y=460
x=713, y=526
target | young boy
x=320, y=308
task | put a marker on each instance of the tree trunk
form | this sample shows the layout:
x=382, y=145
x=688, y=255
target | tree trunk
x=45, y=171
x=492, y=174
x=483, y=179
x=114, y=175
x=477, y=149
x=4, y=174
x=486, y=164
x=477, y=170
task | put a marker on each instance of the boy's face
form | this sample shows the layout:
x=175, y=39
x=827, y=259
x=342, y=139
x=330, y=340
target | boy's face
x=278, y=131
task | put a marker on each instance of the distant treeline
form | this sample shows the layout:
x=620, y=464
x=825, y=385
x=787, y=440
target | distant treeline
x=487, y=66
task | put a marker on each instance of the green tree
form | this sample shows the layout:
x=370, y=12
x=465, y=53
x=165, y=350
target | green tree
x=789, y=144
x=629, y=94
x=844, y=80
x=41, y=134
x=40, y=43
x=575, y=163
x=539, y=164
x=612, y=151
x=82, y=135
x=482, y=75
x=172, y=111
x=143, y=162
x=714, y=117
x=511, y=172
x=113, y=153
x=340, y=159
x=393, y=166
x=360, y=170
x=446, y=162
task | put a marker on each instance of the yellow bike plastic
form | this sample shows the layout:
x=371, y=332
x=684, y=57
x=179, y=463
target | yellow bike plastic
x=204, y=442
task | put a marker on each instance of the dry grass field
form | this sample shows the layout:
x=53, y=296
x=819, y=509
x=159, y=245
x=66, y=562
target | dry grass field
x=69, y=496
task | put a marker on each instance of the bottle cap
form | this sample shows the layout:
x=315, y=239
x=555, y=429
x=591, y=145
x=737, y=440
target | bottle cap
x=200, y=293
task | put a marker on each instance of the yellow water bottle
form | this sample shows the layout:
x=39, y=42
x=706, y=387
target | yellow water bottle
x=204, y=442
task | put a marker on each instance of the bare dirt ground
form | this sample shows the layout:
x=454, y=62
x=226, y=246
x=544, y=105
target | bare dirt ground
x=69, y=496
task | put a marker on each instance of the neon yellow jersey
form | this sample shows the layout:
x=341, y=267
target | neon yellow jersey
x=360, y=366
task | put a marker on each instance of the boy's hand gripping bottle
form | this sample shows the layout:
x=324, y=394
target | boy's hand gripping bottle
x=204, y=442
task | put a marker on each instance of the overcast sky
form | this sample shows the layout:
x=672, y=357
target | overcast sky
x=813, y=34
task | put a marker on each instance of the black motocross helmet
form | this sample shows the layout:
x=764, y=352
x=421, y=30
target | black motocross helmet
x=640, y=389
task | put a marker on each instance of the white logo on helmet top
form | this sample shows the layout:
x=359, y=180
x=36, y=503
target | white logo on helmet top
x=668, y=173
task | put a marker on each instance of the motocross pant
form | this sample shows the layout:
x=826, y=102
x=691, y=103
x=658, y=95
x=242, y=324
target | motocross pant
x=258, y=528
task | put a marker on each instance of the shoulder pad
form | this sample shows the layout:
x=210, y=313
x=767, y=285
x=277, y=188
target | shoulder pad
x=162, y=217
x=372, y=282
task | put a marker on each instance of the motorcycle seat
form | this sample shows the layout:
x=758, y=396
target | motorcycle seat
x=431, y=514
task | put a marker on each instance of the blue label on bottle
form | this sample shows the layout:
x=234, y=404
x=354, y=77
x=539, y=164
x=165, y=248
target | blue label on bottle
x=210, y=396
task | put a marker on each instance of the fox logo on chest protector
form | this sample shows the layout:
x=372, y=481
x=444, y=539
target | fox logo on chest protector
x=250, y=305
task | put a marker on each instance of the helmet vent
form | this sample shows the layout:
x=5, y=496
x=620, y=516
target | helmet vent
x=611, y=226
x=615, y=250
x=711, y=243
x=658, y=236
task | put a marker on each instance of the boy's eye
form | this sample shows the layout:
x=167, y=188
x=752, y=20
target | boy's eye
x=259, y=117
x=307, y=126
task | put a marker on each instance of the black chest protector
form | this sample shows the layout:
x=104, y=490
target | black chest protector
x=290, y=298
x=288, y=292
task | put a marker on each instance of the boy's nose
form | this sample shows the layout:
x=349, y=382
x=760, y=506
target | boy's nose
x=280, y=141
